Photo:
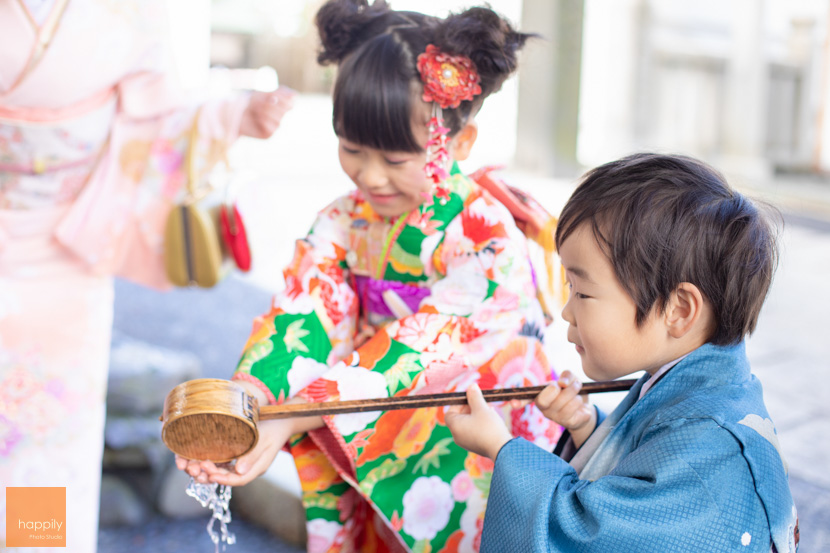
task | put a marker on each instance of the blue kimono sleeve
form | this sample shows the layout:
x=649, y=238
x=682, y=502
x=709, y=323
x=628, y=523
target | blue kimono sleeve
x=688, y=489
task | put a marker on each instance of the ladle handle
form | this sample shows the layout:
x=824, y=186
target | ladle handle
x=425, y=400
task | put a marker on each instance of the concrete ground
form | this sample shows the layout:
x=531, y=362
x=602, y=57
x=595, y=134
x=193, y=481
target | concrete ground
x=294, y=174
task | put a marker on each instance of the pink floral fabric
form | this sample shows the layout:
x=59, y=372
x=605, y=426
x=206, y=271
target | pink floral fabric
x=91, y=145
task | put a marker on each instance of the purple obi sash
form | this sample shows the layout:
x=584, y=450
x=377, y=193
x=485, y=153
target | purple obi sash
x=370, y=291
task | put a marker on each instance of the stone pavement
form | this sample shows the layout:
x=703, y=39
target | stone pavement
x=296, y=173
x=165, y=535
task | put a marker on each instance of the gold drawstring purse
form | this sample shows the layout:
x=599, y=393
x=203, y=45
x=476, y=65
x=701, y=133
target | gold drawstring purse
x=194, y=253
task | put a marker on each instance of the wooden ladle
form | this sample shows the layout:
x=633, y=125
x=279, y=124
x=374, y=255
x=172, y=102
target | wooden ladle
x=216, y=420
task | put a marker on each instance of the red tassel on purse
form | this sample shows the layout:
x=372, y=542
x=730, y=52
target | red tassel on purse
x=234, y=236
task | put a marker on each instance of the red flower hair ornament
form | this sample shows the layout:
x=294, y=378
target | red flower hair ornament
x=448, y=80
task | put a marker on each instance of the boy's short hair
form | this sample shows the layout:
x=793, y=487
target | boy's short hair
x=667, y=219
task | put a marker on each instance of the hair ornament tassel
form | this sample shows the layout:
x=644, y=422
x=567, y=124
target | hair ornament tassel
x=437, y=153
x=448, y=80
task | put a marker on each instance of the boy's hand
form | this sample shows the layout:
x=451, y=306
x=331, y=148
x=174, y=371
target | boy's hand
x=561, y=403
x=476, y=427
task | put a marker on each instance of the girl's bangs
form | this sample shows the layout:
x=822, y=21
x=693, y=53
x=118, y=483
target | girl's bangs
x=373, y=97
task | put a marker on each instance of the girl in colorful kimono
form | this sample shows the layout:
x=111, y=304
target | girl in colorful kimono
x=416, y=282
x=92, y=134
x=668, y=269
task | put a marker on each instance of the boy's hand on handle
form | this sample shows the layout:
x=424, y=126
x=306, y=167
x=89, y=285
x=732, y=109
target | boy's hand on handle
x=476, y=426
x=561, y=403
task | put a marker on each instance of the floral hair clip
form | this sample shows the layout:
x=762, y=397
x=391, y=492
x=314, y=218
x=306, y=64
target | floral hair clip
x=448, y=80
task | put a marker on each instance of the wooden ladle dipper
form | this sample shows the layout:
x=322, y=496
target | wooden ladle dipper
x=216, y=420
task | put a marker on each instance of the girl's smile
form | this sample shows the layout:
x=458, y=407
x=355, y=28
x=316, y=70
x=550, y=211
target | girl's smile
x=393, y=183
x=382, y=198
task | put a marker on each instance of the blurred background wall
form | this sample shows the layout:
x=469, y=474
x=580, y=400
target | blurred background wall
x=740, y=83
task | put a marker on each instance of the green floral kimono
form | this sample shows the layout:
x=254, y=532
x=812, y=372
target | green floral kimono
x=432, y=301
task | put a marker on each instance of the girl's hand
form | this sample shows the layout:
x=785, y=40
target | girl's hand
x=273, y=435
x=193, y=468
x=476, y=427
x=561, y=403
x=265, y=112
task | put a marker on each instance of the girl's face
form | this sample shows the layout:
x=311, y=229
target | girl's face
x=392, y=182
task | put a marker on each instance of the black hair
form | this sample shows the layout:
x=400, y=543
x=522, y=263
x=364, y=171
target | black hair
x=376, y=49
x=667, y=219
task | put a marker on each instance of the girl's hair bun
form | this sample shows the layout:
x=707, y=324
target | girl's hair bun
x=487, y=39
x=346, y=24
x=376, y=50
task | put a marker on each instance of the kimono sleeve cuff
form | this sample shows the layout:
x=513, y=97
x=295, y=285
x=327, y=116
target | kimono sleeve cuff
x=502, y=448
x=272, y=400
x=521, y=498
x=518, y=452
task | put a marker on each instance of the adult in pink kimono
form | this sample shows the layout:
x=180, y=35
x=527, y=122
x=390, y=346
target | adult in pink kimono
x=92, y=135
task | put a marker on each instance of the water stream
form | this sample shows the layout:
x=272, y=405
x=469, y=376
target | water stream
x=217, y=498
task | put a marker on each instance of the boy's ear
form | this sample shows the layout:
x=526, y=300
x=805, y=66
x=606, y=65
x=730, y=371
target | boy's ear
x=463, y=141
x=687, y=312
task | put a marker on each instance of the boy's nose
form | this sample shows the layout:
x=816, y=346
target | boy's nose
x=567, y=313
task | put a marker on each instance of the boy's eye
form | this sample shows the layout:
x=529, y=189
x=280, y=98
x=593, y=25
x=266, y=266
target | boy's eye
x=577, y=295
x=349, y=150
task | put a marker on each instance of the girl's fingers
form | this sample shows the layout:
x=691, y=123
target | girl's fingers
x=231, y=479
x=210, y=468
x=247, y=462
x=193, y=469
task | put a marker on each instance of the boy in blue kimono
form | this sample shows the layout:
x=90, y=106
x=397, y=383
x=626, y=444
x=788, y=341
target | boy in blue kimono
x=668, y=269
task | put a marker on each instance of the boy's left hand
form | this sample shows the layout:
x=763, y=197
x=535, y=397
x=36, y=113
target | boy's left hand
x=476, y=427
x=561, y=403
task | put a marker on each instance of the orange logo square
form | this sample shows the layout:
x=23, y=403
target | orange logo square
x=36, y=517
